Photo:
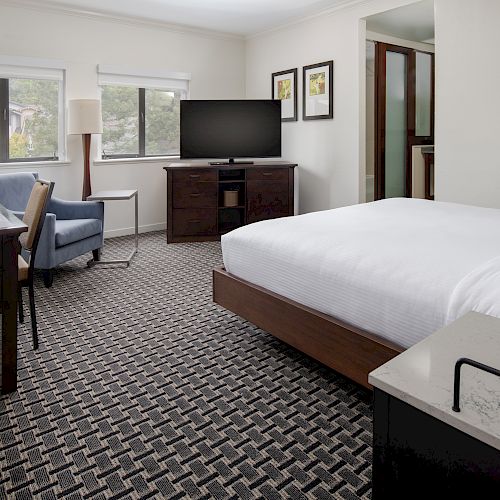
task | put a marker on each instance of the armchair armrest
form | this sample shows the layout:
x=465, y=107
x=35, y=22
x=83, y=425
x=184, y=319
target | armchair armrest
x=76, y=209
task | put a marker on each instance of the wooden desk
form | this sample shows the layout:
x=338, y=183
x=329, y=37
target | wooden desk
x=10, y=229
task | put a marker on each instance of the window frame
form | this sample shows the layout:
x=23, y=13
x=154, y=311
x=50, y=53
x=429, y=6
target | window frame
x=5, y=117
x=141, y=117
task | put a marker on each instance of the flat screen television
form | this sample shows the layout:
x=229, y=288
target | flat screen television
x=230, y=129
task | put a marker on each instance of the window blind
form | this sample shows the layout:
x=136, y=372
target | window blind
x=25, y=67
x=168, y=80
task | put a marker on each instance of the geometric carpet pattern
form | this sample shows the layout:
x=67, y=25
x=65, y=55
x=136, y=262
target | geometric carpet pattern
x=143, y=388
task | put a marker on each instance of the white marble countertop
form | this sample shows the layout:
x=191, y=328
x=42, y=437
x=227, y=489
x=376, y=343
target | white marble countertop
x=422, y=376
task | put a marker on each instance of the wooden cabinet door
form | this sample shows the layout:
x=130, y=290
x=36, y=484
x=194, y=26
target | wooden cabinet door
x=267, y=200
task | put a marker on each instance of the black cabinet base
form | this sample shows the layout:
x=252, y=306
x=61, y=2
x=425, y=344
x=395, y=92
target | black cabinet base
x=418, y=456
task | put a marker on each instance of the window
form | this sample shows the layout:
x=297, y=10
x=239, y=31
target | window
x=162, y=108
x=31, y=119
x=140, y=122
x=140, y=113
x=120, y=116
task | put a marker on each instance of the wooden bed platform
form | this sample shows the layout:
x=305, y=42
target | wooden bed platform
x=344, y=348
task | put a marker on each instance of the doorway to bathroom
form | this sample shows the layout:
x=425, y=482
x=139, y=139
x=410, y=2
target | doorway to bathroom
x=400, y=101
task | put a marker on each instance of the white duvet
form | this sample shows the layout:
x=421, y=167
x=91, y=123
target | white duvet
x=400, y=268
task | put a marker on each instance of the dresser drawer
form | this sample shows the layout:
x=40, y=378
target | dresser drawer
x=267, y=174
x=194, y=221
x=194, y=194
x=194, y=175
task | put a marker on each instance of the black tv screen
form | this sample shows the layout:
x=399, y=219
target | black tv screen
x=230, y=129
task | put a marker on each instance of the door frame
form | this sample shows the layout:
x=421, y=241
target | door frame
x=412, y=139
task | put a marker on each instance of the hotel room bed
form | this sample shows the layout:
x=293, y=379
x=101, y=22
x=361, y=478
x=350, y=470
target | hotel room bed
x=396, y=269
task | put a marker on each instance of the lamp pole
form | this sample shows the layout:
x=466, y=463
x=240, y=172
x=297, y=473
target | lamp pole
x=85, y=119
x=87, y=188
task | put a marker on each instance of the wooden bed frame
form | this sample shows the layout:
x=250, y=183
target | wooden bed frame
x=344, y=348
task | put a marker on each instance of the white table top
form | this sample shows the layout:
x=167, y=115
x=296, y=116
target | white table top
x=422, y=376
x=116, y=194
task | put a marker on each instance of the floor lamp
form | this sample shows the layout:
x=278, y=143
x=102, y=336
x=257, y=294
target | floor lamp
x=85, y=119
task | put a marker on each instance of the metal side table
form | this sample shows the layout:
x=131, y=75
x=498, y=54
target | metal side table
x=119, y=194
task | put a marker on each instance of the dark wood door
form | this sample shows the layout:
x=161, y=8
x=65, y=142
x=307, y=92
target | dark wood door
x=402, y=118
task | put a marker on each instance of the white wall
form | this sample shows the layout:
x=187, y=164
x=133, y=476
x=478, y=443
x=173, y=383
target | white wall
x=330, y=153
x=216, y=64
x=467, y=102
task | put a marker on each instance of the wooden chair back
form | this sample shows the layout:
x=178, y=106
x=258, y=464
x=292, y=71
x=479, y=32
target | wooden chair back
x=34, y=217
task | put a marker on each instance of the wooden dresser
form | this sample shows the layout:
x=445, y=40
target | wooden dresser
x=196, y=207
x=10, y=229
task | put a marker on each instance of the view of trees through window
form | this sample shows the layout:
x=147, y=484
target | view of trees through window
x=162, y=122
x=122, y=110
x=120, y=116
x=33, y=118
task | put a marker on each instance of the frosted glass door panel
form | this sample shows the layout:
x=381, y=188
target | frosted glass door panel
x=395, y=125
x=370, y=121
x=423, y=90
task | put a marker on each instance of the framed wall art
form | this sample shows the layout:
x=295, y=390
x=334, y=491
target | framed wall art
x=317, y=87
x=284, y=88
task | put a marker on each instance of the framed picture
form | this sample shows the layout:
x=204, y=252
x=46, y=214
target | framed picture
x=285, y=89
x=317, y=86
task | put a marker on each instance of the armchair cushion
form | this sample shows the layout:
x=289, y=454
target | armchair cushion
x=69, y=231
x=15, y=190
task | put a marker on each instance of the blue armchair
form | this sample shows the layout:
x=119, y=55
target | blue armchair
x=71, y=228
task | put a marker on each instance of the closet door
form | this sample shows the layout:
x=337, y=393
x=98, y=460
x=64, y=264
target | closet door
x=404, y=111
x=391, y=112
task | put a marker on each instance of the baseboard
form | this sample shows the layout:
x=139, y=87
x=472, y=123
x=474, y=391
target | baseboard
x=113, y=233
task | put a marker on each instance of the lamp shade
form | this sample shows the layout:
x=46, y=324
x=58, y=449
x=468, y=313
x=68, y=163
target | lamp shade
x=85, y=116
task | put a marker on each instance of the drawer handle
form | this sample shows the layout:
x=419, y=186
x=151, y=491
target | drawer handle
x=267, y=174
x=194, y=221
x=195, y=195
x=194, y=176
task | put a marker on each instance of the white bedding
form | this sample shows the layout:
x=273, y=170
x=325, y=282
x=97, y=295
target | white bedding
x=400, y=268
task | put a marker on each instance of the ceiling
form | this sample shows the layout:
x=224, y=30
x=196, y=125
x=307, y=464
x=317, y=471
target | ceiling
x=413, y=22
x=240, y=17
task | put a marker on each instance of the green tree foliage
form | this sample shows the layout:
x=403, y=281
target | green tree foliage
x=39, y=101
x=18, y=146
x=120, y=115
x=162, y=122
x=120, y=111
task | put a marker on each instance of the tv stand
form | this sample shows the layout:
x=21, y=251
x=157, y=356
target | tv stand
x=196, y=208
x=232, y=162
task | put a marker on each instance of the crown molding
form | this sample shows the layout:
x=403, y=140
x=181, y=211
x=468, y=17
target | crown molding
x=345, y=5
x=95, y=15
x=56, y=8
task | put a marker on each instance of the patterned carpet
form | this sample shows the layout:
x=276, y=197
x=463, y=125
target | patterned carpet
x=142, y=387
